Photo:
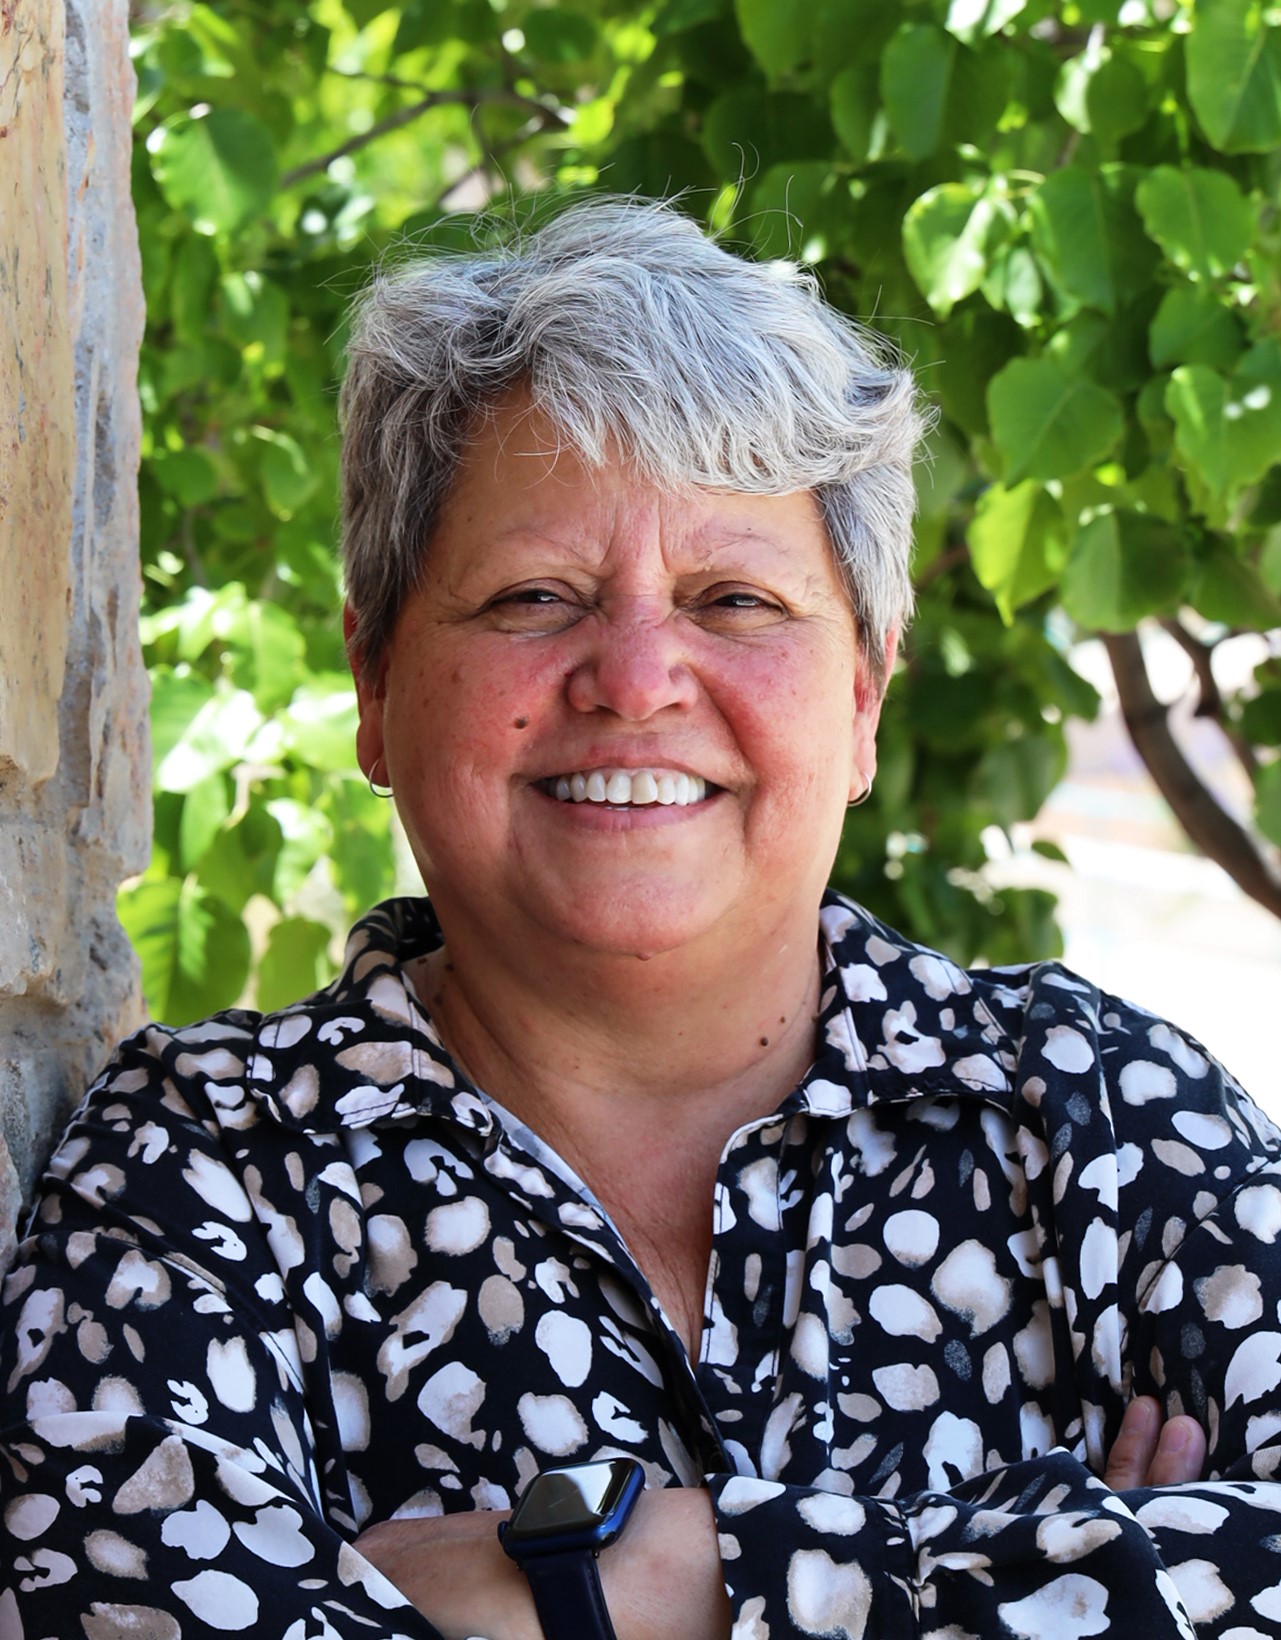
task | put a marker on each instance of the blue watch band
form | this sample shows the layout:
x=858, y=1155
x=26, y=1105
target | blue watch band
x=568, y=1596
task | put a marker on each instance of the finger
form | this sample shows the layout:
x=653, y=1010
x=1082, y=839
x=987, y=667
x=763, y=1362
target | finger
x=1135, y=1446
x=1180, y=1454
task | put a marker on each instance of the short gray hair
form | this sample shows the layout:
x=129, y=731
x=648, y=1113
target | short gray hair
x=626, y=322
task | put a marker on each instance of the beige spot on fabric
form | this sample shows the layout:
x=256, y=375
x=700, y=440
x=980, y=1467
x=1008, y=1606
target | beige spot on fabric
x=30, y=1516
x=164, y=1481
x=115, y=1556
x=1202, y=1590
x=502, y=1308
x=103, y=1622
x=1232, y=1296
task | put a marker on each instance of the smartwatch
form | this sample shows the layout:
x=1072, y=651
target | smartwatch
x=565, y=1518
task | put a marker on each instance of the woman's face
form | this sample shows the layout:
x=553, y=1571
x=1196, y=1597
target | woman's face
x=576, y=622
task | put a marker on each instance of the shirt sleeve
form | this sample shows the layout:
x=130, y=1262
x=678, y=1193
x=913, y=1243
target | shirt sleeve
x=1043, y=1547
x=160, y=1472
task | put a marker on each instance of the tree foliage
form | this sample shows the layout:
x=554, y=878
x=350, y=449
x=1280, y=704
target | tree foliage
x=1066, y=215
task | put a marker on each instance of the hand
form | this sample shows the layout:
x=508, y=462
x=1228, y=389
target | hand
x=1154, y=1451
x=662, y=1579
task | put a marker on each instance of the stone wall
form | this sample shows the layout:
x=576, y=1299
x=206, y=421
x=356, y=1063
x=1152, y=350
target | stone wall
x=74, y=759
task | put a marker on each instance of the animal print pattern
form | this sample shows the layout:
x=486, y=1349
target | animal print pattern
x=292, y=1274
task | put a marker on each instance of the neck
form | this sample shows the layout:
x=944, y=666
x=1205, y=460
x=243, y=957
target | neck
x=596, y=1045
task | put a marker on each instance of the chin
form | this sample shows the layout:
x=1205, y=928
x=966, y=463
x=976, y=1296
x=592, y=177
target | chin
x=616, y=924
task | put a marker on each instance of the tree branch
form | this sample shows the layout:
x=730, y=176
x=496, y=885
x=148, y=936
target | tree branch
x=1210, y=705
x=1210, y=827
x=543, y=115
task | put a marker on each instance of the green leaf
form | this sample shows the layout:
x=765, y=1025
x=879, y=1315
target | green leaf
x=205, y=809
x=307, y=836
x=1089, y=237
x=176, y=699
x=750, y=127
x=1229, y=590
x=194, y=952
x=218, y=168
x=1123, y=566
x=217, y=739
x=288, y=477
x=916, y=77
x=1267, y=797
x=678, y=15
x=1193, y=327
x=777, y=32
x=1234, y=75
x=1102, y=94
x=1048, y=424
x=950, y=235
x=1261, y=718
x=1228, y=432
x=268, y=654
x=972, y=20
x=188, y=475
x=1018, y=544
x=557, y=36
x=320, y=722
x=1015, y=777
x=1013, y=282
x=854, y=103
x=295, y=963
x=1200, y=219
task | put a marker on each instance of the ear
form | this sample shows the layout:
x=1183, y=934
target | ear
x=370, y=696
x=868, y=697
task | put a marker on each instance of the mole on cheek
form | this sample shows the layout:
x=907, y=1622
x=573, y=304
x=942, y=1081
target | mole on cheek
x=521, y=723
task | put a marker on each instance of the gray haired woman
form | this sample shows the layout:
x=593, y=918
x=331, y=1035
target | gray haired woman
x=638, y=1238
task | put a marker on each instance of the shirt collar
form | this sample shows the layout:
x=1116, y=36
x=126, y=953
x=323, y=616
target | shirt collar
x=896, y=1021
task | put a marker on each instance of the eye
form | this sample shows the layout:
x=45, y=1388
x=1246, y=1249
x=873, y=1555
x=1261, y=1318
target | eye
x=737, y=608
x=539, y=607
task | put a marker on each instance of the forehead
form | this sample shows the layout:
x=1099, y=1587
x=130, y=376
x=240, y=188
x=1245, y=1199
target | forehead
x=520, y=482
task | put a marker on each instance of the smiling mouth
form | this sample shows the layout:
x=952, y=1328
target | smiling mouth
x=629, y=788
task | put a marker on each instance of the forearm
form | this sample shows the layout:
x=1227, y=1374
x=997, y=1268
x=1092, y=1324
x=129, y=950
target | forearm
x=662, y=1579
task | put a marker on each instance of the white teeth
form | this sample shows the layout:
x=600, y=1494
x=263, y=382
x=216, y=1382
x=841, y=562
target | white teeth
x=622, y=787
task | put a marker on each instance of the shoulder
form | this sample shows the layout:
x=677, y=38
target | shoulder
x=1036, y=1035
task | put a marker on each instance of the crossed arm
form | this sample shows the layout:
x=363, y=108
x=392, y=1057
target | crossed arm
x=662, y=1580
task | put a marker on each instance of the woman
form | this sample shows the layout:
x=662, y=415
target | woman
x=634, y=1143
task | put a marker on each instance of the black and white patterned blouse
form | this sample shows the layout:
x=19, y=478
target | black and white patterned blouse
x=292, y=1275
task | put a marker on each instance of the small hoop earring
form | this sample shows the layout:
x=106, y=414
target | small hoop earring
x=857, y=802
x=374, y=786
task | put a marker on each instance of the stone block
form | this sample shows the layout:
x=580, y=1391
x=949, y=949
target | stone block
x=37, y=401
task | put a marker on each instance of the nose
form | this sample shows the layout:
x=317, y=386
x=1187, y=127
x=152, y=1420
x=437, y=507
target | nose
x=634, y=665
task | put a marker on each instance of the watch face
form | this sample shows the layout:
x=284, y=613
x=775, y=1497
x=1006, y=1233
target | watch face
x=574, y=1501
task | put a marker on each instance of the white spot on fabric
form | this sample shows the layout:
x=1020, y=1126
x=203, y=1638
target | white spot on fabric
x=1067, y=1050
x=566, y=1341
x=1258, y=1211
x=276, y=1536
x=222, y=1601
x=1201, y=1589
x=825, y=1597
x=553, y=1423
x=968, y=1283
x=1254, y=1370
x=903, y=1313
x=458, y=1227
x=912, y=1236
x=843, y=1517
x=231, y=1377
x=202, y=1532
x=1069, y=1608
x=1141, y=1081
x=907, y=1389
x=451, y=1398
